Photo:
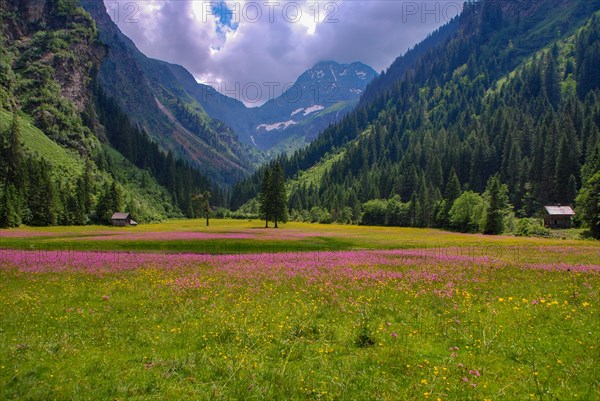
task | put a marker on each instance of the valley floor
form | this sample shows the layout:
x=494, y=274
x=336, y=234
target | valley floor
x=233, y=311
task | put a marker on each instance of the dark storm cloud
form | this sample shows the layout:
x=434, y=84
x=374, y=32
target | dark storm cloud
x=263, y=42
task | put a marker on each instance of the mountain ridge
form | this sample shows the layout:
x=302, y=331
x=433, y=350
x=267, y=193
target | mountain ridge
x=320, y=96
x=251, y=123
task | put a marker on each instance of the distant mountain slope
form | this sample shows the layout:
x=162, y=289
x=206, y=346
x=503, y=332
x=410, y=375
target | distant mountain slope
x=509, y=91
x=321, y=96
x=152, y=95
x=220, y=107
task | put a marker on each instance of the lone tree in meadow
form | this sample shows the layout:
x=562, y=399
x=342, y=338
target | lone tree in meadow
x=273, y=196
x=201, y=203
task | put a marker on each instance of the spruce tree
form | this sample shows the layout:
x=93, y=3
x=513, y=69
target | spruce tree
x=566, y=164
x=279, y=195
x=273, y=196
x=588, y=204
x=116, y=192
x=87, y=188
x=264, y=197
x=105, y=206
x=451, y=193
x=497, y=206
x=9, y=213
x=552, y=79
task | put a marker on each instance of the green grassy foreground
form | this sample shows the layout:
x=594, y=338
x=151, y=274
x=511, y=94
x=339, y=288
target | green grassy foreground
x=490, y=318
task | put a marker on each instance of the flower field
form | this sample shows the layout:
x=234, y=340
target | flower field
x=371, y=314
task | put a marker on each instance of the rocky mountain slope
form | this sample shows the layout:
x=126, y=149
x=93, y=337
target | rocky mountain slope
x=321, y=96
x=154, y=94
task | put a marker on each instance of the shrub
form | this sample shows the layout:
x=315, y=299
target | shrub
x=466, y=212
x=326, y=217
x=374, y=213
x=530, y=227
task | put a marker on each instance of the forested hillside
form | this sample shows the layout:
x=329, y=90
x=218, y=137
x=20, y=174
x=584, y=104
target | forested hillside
x=59, y=132
x=512, y=92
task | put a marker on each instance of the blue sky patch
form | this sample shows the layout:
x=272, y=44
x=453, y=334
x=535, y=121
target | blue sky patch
x=224, y=16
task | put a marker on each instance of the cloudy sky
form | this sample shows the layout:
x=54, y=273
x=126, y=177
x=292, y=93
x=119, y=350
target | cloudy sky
x=232, y=44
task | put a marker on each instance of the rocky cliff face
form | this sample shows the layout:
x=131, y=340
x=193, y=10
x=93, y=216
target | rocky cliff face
x=48, y=54
x=21, y=18
x=54, y=36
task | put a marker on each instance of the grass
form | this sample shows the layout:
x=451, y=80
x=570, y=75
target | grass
x=450, y=317
x=313, y=175
x=36, y=142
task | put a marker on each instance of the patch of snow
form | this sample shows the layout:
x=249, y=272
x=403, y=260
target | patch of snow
x=361, y=74
x=312, y=109
x=333, y=72
x=271, y=127
x=288, y=123
x=252, y=138
x=318, y=74
x=344, y=73
x=356, y=91
x=296, y=112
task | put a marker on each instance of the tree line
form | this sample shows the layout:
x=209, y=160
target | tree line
x=33, y=192
x=29, y=194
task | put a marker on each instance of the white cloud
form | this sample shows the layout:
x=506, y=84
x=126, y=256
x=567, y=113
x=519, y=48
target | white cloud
x=276, y=40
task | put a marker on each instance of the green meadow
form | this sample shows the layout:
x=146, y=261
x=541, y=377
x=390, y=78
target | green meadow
x=249, y=236
x=180, y=311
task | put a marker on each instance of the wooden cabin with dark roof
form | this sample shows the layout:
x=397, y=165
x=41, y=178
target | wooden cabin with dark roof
x=122, y=220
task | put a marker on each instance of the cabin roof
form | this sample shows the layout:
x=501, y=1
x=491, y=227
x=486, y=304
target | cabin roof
x=559, y=210
x=120, y=216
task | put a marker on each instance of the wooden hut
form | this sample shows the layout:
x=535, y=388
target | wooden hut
x=122, y=219
x=558, y=216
